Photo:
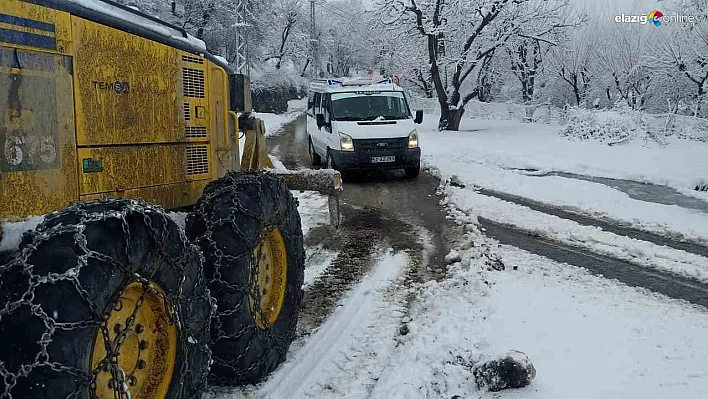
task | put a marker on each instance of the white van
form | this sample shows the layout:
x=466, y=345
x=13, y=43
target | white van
x=362, y=124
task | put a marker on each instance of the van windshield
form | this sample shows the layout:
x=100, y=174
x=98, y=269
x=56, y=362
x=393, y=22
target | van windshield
x=357, y=106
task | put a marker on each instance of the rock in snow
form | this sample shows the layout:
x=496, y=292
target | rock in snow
x=453, y=257
x=513, y=370
x=456, y=182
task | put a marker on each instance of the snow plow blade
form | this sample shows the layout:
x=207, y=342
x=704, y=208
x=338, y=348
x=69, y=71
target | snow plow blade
x=255, y=156
x=324, y=181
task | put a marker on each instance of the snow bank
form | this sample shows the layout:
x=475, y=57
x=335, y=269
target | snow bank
x=611, y=127
x=313, y=208
x=12, y=232
x=623, y=124
x=588, y=337
x=469, y=206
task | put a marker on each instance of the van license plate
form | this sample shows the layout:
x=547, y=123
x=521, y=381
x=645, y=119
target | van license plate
x=383, y=159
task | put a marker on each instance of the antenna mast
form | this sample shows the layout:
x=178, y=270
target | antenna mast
x=242, y=14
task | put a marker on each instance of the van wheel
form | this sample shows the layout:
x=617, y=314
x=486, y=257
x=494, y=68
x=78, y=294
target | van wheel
x=106, y=299
x=330, y=161
x=413, y=172
x=315, y=158
x=249, y=229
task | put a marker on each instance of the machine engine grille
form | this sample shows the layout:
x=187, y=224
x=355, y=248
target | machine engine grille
x=197, y=160
x=193, y=82
x=193, y=60
x=196, y=132
x=187, y=112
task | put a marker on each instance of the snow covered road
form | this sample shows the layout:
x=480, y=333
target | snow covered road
x=348, y=353
x=387, y=315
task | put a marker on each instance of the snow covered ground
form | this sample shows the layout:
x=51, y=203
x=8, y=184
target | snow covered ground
x=588, y=337
x=350, y=350
x=484, y=153
x=273, y=122
x=469, y=205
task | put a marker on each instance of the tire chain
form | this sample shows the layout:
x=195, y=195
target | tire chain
x=235, y=181
x=173, y=302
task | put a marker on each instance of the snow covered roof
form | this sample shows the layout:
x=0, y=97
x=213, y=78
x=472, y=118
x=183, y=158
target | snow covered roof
x=127, y=19
x=354, y=84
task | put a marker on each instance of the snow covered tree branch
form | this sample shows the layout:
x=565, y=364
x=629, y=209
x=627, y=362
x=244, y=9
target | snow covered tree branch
x=461, y=37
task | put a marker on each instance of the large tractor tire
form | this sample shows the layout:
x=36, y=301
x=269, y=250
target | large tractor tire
x=105, y=297
x=249, y=230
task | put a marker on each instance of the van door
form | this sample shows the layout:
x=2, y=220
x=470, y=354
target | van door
x=311, y=121
x=317, y=133
x=329, y=132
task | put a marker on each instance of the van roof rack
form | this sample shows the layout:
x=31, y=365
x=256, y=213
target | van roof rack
x=355, y=81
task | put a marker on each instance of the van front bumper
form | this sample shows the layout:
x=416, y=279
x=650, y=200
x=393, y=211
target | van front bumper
x=347, y=160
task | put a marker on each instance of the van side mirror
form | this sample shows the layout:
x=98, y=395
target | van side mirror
x=320, y=121
x=418, y=117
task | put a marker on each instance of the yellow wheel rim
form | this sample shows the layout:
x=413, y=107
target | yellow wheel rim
x=268, y=278
x=146, y=346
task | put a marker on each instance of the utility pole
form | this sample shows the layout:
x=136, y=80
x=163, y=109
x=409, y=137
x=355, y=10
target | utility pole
x=313, y=41
x=241, y=45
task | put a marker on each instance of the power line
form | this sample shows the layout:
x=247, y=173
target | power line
x=331, y=7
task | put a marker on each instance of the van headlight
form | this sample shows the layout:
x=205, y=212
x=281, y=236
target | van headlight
x=413, y=139
x=346, y=142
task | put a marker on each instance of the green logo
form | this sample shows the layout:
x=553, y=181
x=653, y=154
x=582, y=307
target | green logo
x=91, y=165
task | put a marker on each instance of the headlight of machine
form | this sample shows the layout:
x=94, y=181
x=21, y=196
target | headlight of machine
x=346, y=142
x=413, y=139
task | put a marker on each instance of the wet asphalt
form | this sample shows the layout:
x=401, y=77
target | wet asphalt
x=379, y=210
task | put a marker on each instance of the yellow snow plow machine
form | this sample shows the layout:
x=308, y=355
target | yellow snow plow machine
x=108, y=118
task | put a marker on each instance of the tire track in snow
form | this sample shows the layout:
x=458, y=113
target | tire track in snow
x=607, y=225
x=350, y=350
x=668, y=284
x=357, y=239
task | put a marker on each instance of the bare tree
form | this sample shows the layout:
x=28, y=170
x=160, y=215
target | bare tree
x=685, y=54
x=471, y=32
x=525, y=58
x=402, y=52
x=574, y=61
x=288, y=33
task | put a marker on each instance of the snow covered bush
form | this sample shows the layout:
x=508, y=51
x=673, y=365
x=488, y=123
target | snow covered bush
x=615, y=126
x=687, y=127
x=622, y=124
x=267, y=77
x=273, y=88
